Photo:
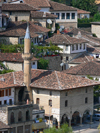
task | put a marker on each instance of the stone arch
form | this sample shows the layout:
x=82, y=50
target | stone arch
x=19, y=116
x=65, y=118
x=12, y=118
x=86, y=115
x=27, y=115
x=75, y=118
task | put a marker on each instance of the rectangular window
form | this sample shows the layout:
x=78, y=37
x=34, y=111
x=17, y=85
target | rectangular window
x=2, y=93
x=6, y=92
x=37, y=101
x=72, y=47
x=67, y=15
x=66, y=103
x=61, y=57
x=16, y=19
x=5, y=101
x=50, y=93
x=57, y=15
x=10, y=101
x=50, y=102
x=66, y=47
x=80, y=46
x=73, y=15
x=76, y=46
x=38, y=91
x=9, y=92
x=67, y=58
x=84, y=46
x=0, y=102
x=33, y=63
x=63, y=16
x=86, y=100
x=21, y=40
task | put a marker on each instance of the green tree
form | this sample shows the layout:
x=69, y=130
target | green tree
x=64, y=129
x=43, y=64
x=88, y=5
x=96, y=17
x=96, y=88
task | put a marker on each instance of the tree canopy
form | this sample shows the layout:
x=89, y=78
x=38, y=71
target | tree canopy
x=64, y=129
x=88, y=5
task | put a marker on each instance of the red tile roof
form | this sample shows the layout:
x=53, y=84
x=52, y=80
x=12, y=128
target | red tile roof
x=37, y=3
x=40, y=15
x=18, y=29
x=83, y=58
x=79, y=11
x=45, y=79
x=64, y=39
x=17, y=7
x=89, y=68
x=55, y=6
x=13, y=57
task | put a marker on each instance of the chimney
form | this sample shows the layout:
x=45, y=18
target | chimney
x=58, y=32
x=79, y=34
x=27, y=56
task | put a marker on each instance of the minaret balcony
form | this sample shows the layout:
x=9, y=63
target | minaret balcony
x=27, y=56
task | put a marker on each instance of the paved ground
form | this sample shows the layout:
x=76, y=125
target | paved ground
x=87, y=128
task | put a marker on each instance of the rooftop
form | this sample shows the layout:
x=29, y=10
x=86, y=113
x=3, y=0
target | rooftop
x=44, y=79
x=90, y=68
x=55, y=6
x=4, y=126
x=64, y=39
x=37, y=3
x=13, y=57
x=17, y=7
x=41, y=15
x=19, y=29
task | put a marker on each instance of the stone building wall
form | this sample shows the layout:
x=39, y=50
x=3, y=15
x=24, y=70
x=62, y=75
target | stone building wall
x=3, y=115
x=20, y=15
x=68, y=24
x=54, y=62
x=14, y=66
x=9, y=40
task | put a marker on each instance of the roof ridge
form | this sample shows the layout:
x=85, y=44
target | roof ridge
x=14, y=77
x=59, y=85
x=67, y=39
x=86, y=57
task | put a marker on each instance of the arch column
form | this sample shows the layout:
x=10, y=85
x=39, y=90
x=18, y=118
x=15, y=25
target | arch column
x=80, y=120
x=69, y=122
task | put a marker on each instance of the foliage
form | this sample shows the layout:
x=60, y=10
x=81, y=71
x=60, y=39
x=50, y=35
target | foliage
x=57, y=27
x=6, y=71
x=94, y=35
x=43, y=64
x=96, y=17
x=84, y=25
x=96, y=88
x=11, y=48
x=88, y=5
x=64, y=129
x=85, y=20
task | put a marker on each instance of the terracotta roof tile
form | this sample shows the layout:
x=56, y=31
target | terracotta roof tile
x=55, y=6
x=83, y=58
x=17, y=7
x=13, y=57
x=38, y=14
x=64, y=39
x=19, y=28
x=37, y=3
x=45, y=79
x=89, y=68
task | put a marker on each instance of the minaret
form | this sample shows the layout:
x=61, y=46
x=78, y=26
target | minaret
x=27, y=56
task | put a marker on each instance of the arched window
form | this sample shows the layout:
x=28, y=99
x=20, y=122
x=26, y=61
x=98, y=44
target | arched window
x=27, y=115
x=66, y=103
x=37, y=101
x=12, y=120
x=20, y=116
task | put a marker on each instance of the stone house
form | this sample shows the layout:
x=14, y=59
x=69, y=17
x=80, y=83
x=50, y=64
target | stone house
x=14, y=34
x=95, y=26
x=90, y=68
x=4, y=128
x=71, y=47
x=14, y=61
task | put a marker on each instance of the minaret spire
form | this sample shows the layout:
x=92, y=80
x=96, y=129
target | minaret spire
x=27, y=56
